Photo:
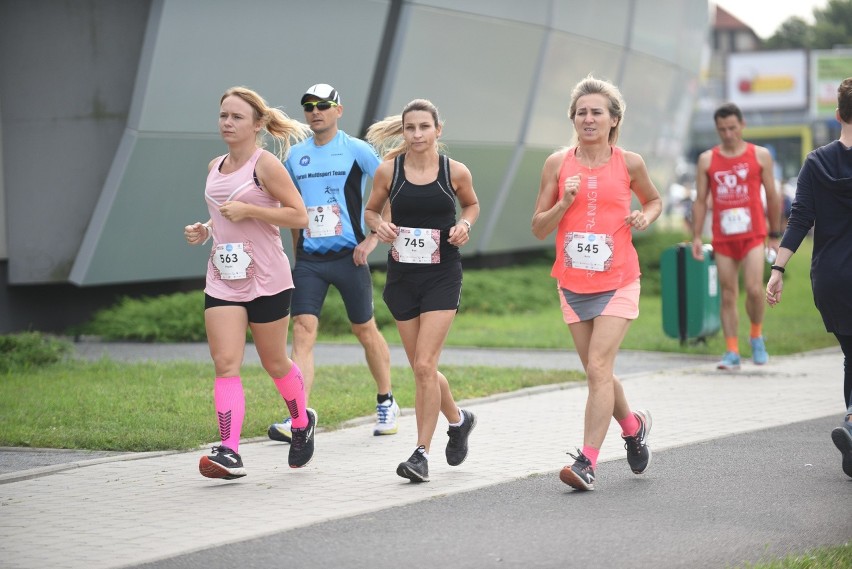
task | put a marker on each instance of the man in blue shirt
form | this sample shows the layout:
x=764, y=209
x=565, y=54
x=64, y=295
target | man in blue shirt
x=331, y=170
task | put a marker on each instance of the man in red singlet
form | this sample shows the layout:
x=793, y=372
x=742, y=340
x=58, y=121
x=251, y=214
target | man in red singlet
x=732, y=174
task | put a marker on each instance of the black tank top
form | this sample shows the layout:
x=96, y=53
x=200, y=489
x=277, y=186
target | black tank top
x=431, y=206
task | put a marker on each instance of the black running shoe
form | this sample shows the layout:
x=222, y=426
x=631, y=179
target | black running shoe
x=222, y=463
x=638, y=453
x=302, y=443
x=842, y=439
x=457, y=445
x=580, y=475
x=415, y=468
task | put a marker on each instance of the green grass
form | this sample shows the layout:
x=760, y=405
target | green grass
x=112, y=406
x=839, y=557
x=108, y=405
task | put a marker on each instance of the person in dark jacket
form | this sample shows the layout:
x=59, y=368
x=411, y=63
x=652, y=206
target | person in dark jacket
x=824, y=202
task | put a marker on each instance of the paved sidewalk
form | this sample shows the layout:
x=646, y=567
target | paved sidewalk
x=126, y=512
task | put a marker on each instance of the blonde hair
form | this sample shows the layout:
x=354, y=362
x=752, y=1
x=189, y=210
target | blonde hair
x=283, y=130
x=386, y=135
x=593, y=86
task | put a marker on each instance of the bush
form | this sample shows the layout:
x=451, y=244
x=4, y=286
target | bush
x=29, y=350
x=516, y=289
x=650, y=246
x=175, y=317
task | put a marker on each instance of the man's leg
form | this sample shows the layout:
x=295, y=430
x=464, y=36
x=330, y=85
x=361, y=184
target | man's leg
x=728, y=270
x=755, y=301
x=355, y=285
x=376, y=352
x=305, y=328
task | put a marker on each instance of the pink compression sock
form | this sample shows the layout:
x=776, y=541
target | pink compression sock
x=592, y=454
x=629, y=425
x=292, y=389
x=230, y=404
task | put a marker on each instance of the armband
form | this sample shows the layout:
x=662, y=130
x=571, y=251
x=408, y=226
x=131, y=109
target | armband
x=775, y=235
x=777, y=268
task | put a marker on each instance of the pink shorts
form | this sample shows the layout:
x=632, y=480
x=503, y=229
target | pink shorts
x=579, y=307
x=737, y=250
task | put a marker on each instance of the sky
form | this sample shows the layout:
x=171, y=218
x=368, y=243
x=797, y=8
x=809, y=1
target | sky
x=765, y=16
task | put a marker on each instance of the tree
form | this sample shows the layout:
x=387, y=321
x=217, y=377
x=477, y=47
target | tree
x=832, y=27
x=794, y=32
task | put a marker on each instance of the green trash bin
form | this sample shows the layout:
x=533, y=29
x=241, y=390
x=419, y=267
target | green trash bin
x=690, y=289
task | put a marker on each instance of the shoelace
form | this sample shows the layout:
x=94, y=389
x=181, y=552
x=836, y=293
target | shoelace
x=580, y=457
x=417, y=457
x=299, y=438
x=382, y=411
x=633, y=444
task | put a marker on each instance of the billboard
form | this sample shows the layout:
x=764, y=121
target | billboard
x=767, y=80
x=828, y=69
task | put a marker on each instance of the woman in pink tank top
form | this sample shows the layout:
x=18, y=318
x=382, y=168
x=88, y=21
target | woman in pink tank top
x=249, y=196
x=586, y=195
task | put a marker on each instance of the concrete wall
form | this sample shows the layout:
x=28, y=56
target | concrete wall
x=108, y=113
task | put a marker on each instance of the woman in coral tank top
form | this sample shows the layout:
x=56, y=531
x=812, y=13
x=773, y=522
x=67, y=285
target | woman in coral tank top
x=585, y=195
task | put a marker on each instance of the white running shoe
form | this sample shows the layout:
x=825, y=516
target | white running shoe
x=387, y=414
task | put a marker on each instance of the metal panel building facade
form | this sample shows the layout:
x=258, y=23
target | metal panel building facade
x=108, y=115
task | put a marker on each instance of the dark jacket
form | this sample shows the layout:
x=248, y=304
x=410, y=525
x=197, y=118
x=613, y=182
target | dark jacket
x=824, y=202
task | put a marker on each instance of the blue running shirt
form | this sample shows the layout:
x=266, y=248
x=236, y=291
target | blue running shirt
x=332, y=179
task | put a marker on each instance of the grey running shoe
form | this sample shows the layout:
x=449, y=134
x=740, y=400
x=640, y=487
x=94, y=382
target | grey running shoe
x=842, y=438
x=302, y=443
x=580, y=475
x=638, y=453
x=222, y=463
x=457, y=445
x=415, y=468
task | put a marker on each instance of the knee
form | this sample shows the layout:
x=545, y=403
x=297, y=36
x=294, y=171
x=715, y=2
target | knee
x=598, y=374
x=226, y=366
x=277, y=368
x=368, y=333
x=756, y=291
x=425, y=372
x=305, y=329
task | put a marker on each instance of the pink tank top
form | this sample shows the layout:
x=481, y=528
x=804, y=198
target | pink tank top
x=594, y=245
x=247, y=260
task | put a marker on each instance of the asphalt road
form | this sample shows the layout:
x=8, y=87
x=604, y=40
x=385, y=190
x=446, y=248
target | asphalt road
x=716, y=504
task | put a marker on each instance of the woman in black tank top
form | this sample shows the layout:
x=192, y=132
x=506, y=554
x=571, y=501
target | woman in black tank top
x=421, y=187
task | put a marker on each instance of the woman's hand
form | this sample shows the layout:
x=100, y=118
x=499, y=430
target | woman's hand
x=774, y=288
x=235, y=211
x=197, y=233
x=572, y=186
x=387, y=232
x=637, y=220
x=459, y=234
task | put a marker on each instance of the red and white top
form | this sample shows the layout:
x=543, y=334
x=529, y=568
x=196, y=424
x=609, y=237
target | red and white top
x=735, y=184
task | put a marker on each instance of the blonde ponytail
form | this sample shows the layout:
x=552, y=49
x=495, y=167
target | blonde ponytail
x=283, y=129
x=386, y=134
x=386, y=137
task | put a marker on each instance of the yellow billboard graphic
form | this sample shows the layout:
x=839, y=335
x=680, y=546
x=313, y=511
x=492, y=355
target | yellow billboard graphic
x=767, y=84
